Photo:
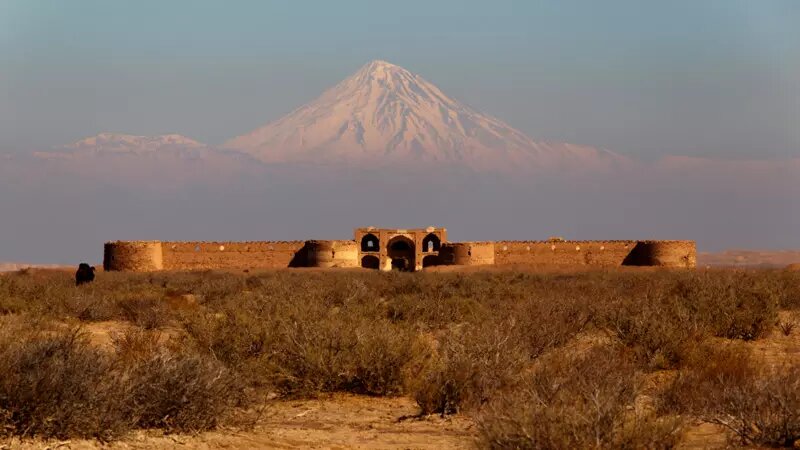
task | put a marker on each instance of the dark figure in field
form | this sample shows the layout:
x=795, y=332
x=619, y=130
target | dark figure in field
x=85, y=274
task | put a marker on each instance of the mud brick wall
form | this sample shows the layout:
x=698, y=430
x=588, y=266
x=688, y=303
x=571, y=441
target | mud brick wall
x=596, y=253
x=233, y=255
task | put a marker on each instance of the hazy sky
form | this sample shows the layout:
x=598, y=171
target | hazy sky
x=712, y=78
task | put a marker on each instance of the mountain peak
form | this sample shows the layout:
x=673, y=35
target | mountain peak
x=384, y=114
x=377, y=64
x=379, y=67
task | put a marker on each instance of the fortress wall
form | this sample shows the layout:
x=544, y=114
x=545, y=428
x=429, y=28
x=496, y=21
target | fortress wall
x=134, y=256
x=596, y=253
x=143, y=256
x=467, y=253
x=332, y=254
x=233, y=255
x=562, y=253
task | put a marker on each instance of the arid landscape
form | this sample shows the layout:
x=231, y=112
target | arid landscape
x=399, y=225
x=621, y=358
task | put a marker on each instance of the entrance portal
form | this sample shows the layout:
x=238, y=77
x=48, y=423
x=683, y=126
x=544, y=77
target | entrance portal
x=401, y=252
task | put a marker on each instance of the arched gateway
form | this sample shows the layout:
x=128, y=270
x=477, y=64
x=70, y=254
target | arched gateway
x=402, y=254
x=399, y=249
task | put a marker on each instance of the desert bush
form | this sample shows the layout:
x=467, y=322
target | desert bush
x=582, y=401
x=55, y=384
x=787, y=327
x=735, y=307
x=784, y=284
x=341, y=355
x=178, y=391
x=663, y=318
x=136, y=344
x=723, y=385
x=149, y=313
x=659, y=330
x=58, y=386
x=472, y=364
x=544, y=324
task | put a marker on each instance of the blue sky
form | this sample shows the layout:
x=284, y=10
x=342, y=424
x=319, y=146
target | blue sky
x=711, y=78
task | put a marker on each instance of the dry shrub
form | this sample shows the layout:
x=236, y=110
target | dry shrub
x=341, y=355
x=171, y=387
x=731, y=304
x=303, y=347
x=240, y=339
x=472, y=364
x=149, y=313
x=581, y=401
x=788, y=321
x=723, y=385
x=454, y=341
x=58, y=386
x=137, y=344
x=787, y=327
x=666, y=316
x=658, y=330
x=179, y=392
x=544, y=324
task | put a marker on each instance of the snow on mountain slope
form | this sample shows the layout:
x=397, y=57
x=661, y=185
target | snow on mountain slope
x=385, y=114
x=153, y=160
x=120, y=144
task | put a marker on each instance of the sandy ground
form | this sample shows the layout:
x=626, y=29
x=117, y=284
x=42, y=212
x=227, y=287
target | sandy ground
x=336, y=422
x=12, y=267
x=749, y=258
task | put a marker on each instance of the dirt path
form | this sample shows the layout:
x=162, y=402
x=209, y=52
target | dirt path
x=338, y=422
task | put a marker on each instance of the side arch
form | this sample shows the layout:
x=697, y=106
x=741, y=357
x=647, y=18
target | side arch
x=430, y=260
x=370, y=243
x=370, y=262
x=431, y=243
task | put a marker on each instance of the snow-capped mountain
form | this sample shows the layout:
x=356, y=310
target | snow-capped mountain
x=124, y=144
x=153, y=160
x=384, y=114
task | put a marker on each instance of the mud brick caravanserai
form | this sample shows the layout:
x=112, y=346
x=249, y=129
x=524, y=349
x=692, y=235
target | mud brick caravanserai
x=393, y=249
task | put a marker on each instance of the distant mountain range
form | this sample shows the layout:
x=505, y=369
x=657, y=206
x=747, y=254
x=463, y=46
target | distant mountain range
x=383, y=147
x=384, y=114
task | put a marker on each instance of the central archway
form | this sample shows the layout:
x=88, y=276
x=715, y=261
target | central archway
x=402, y=253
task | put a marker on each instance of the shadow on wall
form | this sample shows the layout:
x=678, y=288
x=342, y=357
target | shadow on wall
x=300, y=258
x=430, y=260
x=662, y=254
